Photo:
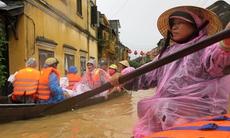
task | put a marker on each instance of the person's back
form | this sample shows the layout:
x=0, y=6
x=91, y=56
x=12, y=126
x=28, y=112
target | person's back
x=26, y=83
x=73, y=77
x=49, y=90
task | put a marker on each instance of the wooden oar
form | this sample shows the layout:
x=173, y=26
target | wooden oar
x=67, y=104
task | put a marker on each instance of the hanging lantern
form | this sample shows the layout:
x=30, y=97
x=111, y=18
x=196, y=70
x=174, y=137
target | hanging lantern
x=148, y=54
x=135, y=52
x=142, y=53
x=129, y=51
x=154, y=54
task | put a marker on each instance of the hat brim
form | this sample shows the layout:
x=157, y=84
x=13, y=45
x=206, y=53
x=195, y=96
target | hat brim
x=215, y=24
x=182, y=18
x=124, y=63
x=51, y=61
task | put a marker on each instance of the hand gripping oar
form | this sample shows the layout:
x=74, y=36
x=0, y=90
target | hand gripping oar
x=67, y=104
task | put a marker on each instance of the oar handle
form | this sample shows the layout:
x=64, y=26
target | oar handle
x=177, y=55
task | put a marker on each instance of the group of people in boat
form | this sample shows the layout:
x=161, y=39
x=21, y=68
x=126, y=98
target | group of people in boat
x=33, y=86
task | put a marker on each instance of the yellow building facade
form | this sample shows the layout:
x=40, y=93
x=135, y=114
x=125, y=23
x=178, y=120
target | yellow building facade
x=109, y=46
x=51, y=28
x=106, y=41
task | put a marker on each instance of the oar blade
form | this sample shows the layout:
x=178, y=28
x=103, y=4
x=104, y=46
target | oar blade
x=72, y=102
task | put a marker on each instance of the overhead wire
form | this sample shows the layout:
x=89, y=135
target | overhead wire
x=120, y=8
x=197, y=2
x=201, y=5
x=117, y=12
x=204, y=3
x=151, y=46
x=112, y=7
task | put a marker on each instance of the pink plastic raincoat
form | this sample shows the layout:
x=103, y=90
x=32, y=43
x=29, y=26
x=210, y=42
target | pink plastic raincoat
x=194, y=86
x=88, y=83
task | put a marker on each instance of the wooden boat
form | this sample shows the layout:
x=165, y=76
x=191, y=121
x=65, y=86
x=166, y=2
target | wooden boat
x=209, y=127
x=13, y=112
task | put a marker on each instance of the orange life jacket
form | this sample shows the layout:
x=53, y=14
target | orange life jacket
x=73, y=79
x=26, y=82
x=94, y=78
x=211, y=127
x=43, y=88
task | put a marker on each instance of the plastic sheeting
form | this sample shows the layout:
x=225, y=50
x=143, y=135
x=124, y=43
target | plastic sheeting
x=189, y=88
x=88, y=83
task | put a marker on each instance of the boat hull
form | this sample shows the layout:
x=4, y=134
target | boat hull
x=13, y=112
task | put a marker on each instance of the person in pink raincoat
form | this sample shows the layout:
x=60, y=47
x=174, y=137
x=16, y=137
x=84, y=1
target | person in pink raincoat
x=191, y=87
x=92, y=79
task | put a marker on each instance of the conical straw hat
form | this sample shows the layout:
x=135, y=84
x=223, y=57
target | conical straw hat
x=214, y=26
x=124, y=63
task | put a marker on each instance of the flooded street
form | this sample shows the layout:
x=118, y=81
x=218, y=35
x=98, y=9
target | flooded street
x=111, y=119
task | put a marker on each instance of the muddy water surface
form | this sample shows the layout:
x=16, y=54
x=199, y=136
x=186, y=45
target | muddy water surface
x=111, y=119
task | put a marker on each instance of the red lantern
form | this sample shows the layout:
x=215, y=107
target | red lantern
x=148, y=54
x=142, y=53
x=135, y=52
x=129, y=51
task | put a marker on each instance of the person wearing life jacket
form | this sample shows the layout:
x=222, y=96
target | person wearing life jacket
x=112, y=70
x=124, y=64
x=73, y=77
x=49, y=90
x=93, y=78
x=25, y=83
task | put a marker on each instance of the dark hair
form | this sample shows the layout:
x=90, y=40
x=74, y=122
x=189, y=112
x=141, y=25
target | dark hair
x=104, y=63
x=181, y=14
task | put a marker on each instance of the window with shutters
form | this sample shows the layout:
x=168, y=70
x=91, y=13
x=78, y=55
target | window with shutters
x=83, y=65
x=69, y=61
x=43, y=55
x=79, y=7
x=94, y=16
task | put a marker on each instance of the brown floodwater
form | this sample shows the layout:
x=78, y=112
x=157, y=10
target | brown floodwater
x=111, y=119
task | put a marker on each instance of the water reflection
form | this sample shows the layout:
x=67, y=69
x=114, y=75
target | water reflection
x=111, y=119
